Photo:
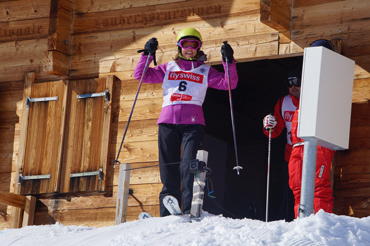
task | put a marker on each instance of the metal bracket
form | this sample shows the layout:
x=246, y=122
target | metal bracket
x=32, y=177
x=100, y=94
x=40, y=99
x=86, y=174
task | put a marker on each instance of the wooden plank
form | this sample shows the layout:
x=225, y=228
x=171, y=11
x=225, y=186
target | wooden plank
x=143, y=195
x=334, y=13
x=246, y=46
x=30, y=77
x=62, y=112
x=147, y=90
x=159, y=15
x=148, y=108
x=305, y=3
x=359, y=137
x=106, y=132
x=362, y=192
x=20, y=57
x=123, y=41
x=86, y=6
x=9, y=100
x=122, y=193
x=276, y=14
x=14, y=200
x=344, y=180
x=138, y=130
x=138, y=152
x=142, y=173
x=361, y=93
x=356, y=159
x=23, y=30
x=12, y=86
x=5, y=179
x=23, y=10
x=357, y=207
x=360, y=115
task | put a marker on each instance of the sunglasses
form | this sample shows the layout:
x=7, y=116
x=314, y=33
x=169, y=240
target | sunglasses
x=189, y=44
x=294, y=81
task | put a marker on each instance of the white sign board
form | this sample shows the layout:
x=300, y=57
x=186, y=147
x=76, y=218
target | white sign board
x=326, y=98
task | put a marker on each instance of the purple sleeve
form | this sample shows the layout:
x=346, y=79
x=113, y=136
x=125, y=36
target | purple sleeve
x=218, y=80
x=153, y=74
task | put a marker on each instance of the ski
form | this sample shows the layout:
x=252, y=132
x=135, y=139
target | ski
x=172, y=205
x=145, y=215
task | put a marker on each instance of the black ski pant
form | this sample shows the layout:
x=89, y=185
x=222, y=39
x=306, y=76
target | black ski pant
x=178, y=143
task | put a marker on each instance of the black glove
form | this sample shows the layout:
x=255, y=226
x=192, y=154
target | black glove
x=227, y=52
x=151, y=46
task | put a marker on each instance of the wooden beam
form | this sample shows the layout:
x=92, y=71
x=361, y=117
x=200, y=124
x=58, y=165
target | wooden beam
x=276, y=14
x=56, y=60
x=29, y=80
x=56, y=63
x=14, y=200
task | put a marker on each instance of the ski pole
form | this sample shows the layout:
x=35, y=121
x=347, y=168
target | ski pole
x=237, y=167
x=268, y=176
x=132, y=109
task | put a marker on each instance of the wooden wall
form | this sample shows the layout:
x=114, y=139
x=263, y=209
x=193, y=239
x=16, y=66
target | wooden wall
x=63, y=39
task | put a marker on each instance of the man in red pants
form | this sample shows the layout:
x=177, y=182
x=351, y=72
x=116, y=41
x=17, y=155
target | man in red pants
x=286, y=116
x=323, y=198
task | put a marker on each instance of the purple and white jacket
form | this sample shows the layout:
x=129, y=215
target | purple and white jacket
x=185, y=113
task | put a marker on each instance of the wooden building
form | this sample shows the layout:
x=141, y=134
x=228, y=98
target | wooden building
x=65, y=49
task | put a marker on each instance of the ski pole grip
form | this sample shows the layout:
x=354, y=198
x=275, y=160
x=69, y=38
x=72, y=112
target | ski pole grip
x=154, y=60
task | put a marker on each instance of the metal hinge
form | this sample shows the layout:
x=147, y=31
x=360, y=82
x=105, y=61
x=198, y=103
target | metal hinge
x=32, y=177
x=85, y=174
x=40, y=99
x=100, y=94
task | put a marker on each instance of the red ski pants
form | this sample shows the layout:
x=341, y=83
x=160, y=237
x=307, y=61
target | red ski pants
x=323, y=194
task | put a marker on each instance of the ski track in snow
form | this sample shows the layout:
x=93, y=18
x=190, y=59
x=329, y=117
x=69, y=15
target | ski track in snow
x=211, y=230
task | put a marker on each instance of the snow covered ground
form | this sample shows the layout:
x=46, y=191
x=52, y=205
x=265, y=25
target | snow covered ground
x=319, y=229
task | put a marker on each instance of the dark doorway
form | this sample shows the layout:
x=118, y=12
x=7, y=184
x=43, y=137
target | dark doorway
x=261, y=84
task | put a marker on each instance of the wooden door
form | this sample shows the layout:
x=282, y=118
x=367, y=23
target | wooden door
x=85, y=154
x=41, y=136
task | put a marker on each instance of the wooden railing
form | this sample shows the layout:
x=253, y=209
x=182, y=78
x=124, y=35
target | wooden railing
x=27, y=205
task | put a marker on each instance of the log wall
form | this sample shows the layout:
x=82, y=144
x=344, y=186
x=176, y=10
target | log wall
x=99, y=38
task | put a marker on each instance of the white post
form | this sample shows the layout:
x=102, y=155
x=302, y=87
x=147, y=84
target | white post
x=306, y=208
x=122, y=193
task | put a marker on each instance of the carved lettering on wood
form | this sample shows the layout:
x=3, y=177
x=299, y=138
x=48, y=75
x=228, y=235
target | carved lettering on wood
x=129, y=19
x=23, y=30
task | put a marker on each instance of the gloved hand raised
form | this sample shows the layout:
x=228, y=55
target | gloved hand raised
x=227, y=52
x=269, y=122
x=151, y=46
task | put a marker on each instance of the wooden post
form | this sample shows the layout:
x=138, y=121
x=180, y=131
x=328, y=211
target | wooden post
x=198, y=187
x=29, y=80
x=122, y=193
x=29, y=211
x=25, y=205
